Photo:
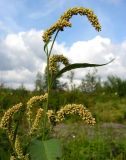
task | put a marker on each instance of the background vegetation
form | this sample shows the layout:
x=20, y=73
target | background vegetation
x=107, y=102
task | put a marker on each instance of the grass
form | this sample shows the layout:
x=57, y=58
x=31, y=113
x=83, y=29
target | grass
x=102, y=142
x=105, y=141
x=112, y=109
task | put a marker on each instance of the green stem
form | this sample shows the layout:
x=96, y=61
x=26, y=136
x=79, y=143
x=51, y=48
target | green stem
x=53, y=42
x=49, y=79
x=47, y=104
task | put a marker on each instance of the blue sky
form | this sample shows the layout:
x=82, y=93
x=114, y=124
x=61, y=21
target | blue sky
x=22, y=23
x=22, y=15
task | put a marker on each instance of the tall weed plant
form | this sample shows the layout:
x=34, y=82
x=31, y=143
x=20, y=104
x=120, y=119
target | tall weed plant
x=28, y=126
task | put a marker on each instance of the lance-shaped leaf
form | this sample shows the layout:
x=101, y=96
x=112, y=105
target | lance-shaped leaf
x=46, y=46
x=78, y=65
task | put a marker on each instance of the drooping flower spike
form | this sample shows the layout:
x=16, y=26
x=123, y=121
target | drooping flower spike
x=19, y=149
x=64, y=21
x=55, y=59
x=8, y=116
x=75, y=109
x=35, y=125
x=31, y=102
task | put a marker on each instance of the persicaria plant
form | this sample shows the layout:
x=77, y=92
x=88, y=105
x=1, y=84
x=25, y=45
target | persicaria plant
x=31, y=141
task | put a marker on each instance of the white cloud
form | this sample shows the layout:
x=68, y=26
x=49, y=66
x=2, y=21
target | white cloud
x=22, y=56
x=23, y=50
x=98, y=50
x=14, y=78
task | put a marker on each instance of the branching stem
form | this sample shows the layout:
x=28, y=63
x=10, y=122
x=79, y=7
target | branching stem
x=49, y=81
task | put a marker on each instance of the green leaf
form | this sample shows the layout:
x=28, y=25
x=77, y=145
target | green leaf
x=46, y=45
x=78, y=65
x=4, y=154
x=45, y=150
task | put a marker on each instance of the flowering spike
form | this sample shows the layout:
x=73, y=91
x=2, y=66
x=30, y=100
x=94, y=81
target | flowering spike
x=19, y=150
x=64, y=21
x=8, y=116
x=51, y=116
x=34, y=100
x=36, y=123
x=73, y=109
x=57, y=58
x=12, y=158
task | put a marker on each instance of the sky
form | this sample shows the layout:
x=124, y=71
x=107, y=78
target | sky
x=22, y=23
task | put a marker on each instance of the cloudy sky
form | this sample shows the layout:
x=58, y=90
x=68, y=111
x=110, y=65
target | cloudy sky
x=22, y=23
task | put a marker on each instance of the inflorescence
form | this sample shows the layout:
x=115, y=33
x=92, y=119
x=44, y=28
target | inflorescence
x=35, y=125
x=51, y=116
x=75, y=109
x=64, y=21
x=31, y=102
x=55, y=59
x=8, y=116
x=19, y=150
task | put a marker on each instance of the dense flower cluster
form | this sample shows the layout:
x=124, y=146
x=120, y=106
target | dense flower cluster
x=51, y=116
x=12, y=158
x=30, y=103
x=8, y=116
x=23, y=158
x=37, y=120
x=10, y=132
x=37, y=98
x=59, y=25
x=19, y=150
x=75, y=109
x=57, y=58
x=64, y=21
x=82, y=11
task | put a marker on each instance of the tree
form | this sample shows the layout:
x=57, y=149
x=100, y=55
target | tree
x=90, y=82
x=115, y=84
x=39, y=82
x=22, y=87
x=71, y=77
